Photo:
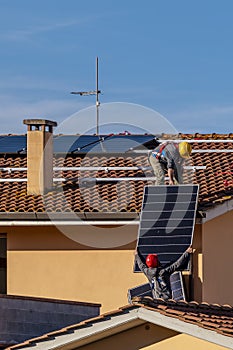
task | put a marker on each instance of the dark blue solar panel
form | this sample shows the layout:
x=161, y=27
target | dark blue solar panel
x=13, y=143
x=140, y=291
x=122, y=144
x=177, y=286
x=167, y=221
x=80, y=143
x=74, y=143
x=99, y=144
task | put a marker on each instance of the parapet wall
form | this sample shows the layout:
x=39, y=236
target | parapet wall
x=27, y=317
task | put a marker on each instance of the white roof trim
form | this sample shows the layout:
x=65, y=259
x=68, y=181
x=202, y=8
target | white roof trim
x=92, y=332
x=68, y=222
x=118, y=323
x=185, y=327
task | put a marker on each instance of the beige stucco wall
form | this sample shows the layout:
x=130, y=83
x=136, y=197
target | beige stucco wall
x=218, y=260
x=96, y=265
x=151, y=337
x=197, y=266
x=44, y=262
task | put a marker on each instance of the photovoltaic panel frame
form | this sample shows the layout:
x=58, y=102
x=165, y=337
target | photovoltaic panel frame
x=139, y=291
x=167, y=221
x=177, y=286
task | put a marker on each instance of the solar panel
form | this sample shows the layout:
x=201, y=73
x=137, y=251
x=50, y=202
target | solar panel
x=99, y=143
x=143, y=290
x=71, y=143
x=13, y=143
x=80, y=143
x=177, y=286
x=167, y=221
x=125, y=143
x=139, y=291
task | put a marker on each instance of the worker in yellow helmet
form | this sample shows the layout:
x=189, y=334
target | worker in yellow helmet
x=168, y=158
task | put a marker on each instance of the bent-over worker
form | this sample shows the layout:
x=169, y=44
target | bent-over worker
x=169, y=158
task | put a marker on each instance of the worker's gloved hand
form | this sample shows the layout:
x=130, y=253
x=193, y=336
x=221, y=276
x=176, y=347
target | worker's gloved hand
x=190, y=250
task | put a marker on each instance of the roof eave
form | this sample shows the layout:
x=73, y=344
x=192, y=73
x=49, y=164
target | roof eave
x=217, y=210
x=185, y=327
x=72, y=218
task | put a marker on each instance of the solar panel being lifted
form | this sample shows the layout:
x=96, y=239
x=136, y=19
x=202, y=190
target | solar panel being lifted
x=167, y=221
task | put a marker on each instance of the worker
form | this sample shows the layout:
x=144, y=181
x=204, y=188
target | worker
x=169, y=158
x=158, y=276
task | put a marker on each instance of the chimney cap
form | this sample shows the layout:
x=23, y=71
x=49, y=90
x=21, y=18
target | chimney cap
x=39, y=122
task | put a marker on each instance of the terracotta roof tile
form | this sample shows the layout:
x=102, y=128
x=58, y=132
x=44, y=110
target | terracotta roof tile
x=87, y=195
x=210, y=316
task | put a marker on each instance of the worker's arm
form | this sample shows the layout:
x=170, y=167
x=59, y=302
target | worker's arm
x=171, y=176
x=170, y=165
x=140, y=263
x=181, y=261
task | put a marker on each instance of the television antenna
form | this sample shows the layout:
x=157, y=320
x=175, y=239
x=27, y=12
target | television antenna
x=93, y=92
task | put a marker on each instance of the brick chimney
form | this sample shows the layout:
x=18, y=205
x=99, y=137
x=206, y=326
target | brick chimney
x=39, y=155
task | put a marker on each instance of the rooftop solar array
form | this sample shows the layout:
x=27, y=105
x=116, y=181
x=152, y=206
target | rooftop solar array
x=167, y=221
x=99, y=143
x=80, y=143
x=13, y=143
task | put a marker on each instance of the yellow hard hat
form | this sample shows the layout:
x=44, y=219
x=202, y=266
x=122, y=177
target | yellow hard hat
x=185, y=149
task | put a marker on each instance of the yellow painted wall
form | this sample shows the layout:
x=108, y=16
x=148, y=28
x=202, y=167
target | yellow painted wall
x=218, y=260
x=197, y=268
x=96, y=265
x=43, y=262
x=151, y=337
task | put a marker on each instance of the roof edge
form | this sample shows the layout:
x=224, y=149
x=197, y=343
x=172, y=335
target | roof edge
x=49, y=300
x=217, y=210
x=69, y=216
x=184, y=327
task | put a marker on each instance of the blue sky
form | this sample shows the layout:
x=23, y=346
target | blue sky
x=174, y=57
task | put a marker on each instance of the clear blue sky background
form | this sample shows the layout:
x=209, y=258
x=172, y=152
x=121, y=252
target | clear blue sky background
x=175, y=57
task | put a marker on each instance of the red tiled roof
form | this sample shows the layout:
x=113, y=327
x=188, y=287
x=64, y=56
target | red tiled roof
x=213, y=317
x=210, y=316
x=83, y=194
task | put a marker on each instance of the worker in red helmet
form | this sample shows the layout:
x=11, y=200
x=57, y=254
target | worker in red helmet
x=158, y=276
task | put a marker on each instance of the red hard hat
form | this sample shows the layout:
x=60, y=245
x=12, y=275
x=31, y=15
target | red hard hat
x=152, y=260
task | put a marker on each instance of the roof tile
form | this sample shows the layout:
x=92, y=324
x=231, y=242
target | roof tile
x=86, y=195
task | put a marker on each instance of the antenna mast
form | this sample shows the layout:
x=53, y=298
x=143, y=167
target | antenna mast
x=93, y=92
x=97, y=96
